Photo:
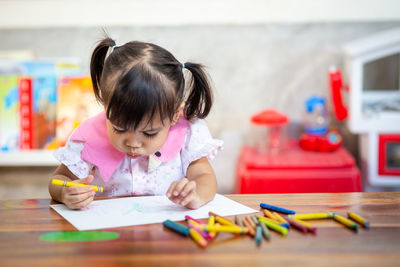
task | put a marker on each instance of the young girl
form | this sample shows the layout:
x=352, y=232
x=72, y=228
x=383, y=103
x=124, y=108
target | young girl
x=150, y=139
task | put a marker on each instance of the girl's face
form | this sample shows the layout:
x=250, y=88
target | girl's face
x=145, y=140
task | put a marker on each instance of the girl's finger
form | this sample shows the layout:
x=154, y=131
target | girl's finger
x=179, y=186
x=81, y=197
x=191, y=196
x=87, y=180
x=76, y=190
x=83, y=203
x=190, y=186
x=171, y=189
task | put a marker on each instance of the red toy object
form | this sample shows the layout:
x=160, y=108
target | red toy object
x=297, y=171
x=269, y=117
x=336, y=85
x=271, y=124
x=326, y=143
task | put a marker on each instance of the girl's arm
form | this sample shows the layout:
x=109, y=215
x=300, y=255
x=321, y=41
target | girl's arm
x=197, y=188
x=74, y=197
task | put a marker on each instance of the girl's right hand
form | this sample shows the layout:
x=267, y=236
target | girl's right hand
x=78, y=197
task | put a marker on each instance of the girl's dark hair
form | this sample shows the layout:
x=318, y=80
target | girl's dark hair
x=140, y=79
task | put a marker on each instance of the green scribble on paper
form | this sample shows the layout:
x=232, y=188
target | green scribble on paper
x=79, y=236
x=139, y=207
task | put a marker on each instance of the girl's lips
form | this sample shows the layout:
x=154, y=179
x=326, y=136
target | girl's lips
x=134, y=156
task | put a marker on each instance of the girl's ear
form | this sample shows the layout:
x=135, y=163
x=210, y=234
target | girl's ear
x=178, y=113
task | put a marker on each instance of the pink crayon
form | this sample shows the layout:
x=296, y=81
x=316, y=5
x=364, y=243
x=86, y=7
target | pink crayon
x=187, y=217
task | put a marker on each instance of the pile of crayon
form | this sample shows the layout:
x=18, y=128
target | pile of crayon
x=258, y=226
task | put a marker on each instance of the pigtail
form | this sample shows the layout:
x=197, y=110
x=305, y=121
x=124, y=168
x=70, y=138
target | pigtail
x=200, y=99
x=97, y=63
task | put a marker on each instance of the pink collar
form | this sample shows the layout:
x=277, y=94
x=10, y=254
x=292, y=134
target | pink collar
x=100, y=152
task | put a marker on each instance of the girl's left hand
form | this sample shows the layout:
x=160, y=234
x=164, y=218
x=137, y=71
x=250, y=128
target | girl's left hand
x=184, y=193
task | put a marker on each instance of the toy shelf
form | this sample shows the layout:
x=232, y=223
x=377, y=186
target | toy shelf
x=28, y=158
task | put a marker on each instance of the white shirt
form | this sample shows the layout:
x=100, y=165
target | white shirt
x=131, y=177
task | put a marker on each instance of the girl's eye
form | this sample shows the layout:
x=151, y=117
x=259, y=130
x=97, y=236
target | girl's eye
x=119, y=131
x=150, y=135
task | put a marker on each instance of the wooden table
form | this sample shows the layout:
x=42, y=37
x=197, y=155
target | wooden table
x=22, y=222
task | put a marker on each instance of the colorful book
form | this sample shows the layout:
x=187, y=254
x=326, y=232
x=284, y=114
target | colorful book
x=38, y=127
x=44, y=111
x=76, y=103
x=25, y=113
x=9, y=125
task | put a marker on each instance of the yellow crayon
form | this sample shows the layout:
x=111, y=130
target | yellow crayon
x=273, y=225
x=279, y=218
x=312, y=216
x=270, y=220
x=197, y=237
x=191, y=222
x=220, y=219
x=223, y=221
x=223, y=228
x=211, y=222
x=268, y=214
x=68, y=184
x=346, y=222
x=358, y=219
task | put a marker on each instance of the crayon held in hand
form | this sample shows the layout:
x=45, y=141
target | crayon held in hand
x=68, y=184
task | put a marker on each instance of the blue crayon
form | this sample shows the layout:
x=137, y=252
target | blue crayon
x=258, y=234
x=277, y=209
x=177, y=227
x=286, y=225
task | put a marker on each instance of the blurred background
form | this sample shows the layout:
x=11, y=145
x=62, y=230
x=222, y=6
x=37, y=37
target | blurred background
x=276, y=67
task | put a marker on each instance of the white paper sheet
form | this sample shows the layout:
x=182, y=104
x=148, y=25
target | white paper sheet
x=143, y=210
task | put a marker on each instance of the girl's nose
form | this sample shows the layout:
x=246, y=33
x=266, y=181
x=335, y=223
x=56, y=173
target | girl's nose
x=133, y=142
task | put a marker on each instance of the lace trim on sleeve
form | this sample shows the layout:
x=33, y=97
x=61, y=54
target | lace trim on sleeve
x=70, y=156
x=199, y=143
